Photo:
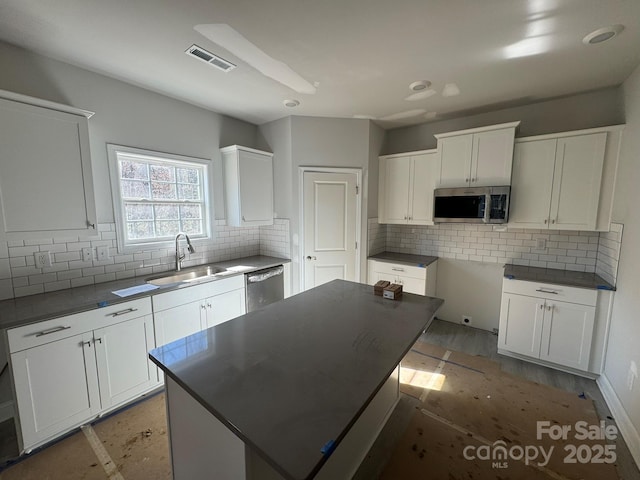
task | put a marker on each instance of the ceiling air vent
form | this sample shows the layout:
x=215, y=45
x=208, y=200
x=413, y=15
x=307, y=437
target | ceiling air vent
x=210, y=58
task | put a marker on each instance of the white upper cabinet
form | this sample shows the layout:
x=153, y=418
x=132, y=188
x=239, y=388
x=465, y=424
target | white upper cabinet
x=406, y=185
x=46, y=186
x=248, y=181
x=564, y=181
x=479, y=157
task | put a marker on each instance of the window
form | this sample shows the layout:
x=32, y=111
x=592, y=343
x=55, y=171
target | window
x=156, y=195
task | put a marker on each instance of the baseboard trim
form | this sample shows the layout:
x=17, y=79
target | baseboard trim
x=6, y=411
x=626, y=427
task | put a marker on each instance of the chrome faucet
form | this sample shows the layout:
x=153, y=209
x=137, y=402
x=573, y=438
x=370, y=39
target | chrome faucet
x=180, y=256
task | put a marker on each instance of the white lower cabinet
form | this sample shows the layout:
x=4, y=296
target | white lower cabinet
x=186, y=311
x=534, y=323
x=414, y=279
x=70, y=369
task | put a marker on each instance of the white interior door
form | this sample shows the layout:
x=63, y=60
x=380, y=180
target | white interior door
x=330, y=226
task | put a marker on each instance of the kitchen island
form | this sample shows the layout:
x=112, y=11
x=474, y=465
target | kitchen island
x=296, y=390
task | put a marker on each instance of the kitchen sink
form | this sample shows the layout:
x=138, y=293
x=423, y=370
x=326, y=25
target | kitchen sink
x=186, y=275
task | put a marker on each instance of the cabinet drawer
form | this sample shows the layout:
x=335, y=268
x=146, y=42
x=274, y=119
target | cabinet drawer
x=583, y=296
x=194, y=293
x=39, y=333
x=399, y=269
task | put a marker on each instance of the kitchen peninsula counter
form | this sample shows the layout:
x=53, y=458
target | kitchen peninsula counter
x=285, y=385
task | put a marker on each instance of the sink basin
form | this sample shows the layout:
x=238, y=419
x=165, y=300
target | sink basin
x=187, y=275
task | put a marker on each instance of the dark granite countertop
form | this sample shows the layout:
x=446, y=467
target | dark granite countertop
x=34, y=308
x=296, y=374
x=404, y=258
x=559, y=277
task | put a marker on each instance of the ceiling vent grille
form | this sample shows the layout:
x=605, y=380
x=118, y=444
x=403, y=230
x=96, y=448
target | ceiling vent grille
x=210, y=58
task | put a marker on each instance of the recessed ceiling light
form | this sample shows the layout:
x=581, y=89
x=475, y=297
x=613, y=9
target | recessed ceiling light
x=420, y=85
x=290, y=103
x=602, y=34
x=421, y=95
x=450, y=90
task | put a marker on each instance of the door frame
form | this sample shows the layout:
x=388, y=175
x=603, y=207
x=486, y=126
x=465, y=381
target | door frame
x=337, y=170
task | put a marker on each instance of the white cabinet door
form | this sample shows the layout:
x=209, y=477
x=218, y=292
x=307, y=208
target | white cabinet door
x=424, y=178
x=521, y=320
x=576, y=182
x=492, y=158
x=227, y=306
x=46, y=186
x=455, y=160
x=531, y=183
x=56, y=387
x=178, y=322
x=567, y=334
x=124, y=369
x=395, y=203
x=411, y=285
x=248, y=182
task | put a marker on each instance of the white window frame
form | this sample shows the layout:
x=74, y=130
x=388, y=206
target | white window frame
x=156, y=157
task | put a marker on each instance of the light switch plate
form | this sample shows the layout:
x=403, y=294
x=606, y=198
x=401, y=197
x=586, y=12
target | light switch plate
x=87, y=254
x=102, y=253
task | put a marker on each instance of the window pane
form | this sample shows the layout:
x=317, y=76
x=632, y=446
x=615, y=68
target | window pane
x=167, y=228
x=188, y=175
x=162, y=173
x=139, y=230
x=166, y=212
x=135, y=189
x=164, y=191
x=189, y=192
x=192, y=227
x=190, y=211
x=134, y=170
x=137, y=211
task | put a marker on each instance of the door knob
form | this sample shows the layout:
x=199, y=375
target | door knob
x=309, y=257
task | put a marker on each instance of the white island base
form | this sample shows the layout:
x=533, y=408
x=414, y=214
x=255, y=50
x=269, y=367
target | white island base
x=202, y=447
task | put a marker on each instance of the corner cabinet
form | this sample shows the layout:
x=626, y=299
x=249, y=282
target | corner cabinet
x=565, y=181
x=70, y=369
x=406, y=184
x=554, y=325
x=478, y=157
x=248, y=182
x=46, y=184
x=414, y=279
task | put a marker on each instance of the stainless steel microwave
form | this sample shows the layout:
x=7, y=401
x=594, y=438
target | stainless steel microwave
x=471, y=205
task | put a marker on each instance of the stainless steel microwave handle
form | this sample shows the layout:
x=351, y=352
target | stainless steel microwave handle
x=487, y=208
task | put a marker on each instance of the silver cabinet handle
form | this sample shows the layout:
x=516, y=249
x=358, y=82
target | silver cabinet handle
x=549, y=307
x=542, y=306
x=553, y=221
x=396, y=269
x=243, y=219
x=203, y=306
x=97, y=340
x=209, y=305
x=546, y=220
x=546, y=291
x=122, y=312
x=87, y=343
x=52, y=330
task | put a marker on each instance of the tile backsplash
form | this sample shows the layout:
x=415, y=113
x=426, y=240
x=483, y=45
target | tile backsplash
x=565, y=250
x=19, y=276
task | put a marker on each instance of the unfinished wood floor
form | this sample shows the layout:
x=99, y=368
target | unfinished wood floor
x=122, y=442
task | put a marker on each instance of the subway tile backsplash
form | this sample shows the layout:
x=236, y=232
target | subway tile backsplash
x=565, y=250
x=19, y=276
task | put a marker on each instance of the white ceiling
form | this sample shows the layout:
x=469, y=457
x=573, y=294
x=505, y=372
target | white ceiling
x=361, y=54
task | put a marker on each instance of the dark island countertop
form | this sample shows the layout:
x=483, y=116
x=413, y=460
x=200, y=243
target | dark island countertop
x=404, y=258
x=44, y=306
x=291, y=377
x=559, y=277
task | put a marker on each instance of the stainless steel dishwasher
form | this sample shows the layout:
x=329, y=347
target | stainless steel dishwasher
x=264, y=287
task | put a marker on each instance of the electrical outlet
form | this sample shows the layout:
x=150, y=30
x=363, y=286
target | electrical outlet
x=541, y=243
x=466, y=320
x=87, y=254
x=43, y=259
x=102, y=253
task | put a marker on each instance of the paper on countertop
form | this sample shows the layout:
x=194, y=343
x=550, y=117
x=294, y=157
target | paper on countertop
x=125, y=292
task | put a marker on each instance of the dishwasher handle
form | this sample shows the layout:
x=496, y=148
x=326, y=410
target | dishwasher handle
x=264, y=274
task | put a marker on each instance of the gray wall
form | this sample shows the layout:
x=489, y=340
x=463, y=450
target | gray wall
x=624, y=337
x=125, y=115
x=376, y=141
x=587, y=110
x=276, y=137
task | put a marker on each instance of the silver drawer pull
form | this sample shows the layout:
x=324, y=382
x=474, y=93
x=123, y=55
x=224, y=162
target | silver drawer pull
x=122, y=312
x=546, y=291
x=52, y=330
x=397, y=269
